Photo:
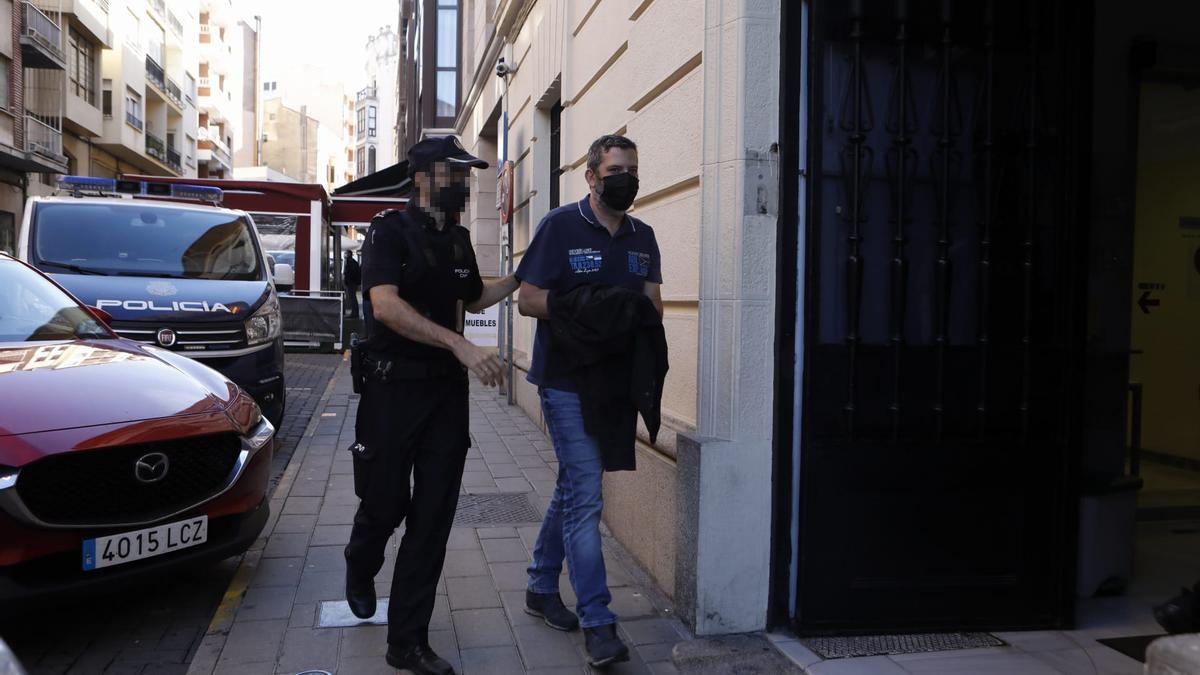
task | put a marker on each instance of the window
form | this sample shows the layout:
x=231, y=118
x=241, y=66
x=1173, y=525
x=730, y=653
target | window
x=446, y=79
x=81, y=67
x=134, y=37
x=133, y=109
x=371, y=117
x=106, y=101
x=371, y=160
x=155, y=41
x=362, y=122
x=362, y=162
x=555, y=154
x=191, y=87
x=5, y=73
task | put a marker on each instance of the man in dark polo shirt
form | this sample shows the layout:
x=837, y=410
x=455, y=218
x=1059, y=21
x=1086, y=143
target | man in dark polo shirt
x=593, y=241
x=419, y=274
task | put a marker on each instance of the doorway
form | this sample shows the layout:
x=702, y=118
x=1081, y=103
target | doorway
x=1164, y=366
x=942, y=316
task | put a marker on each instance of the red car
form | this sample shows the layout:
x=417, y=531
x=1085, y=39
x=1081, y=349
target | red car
x=117, y=459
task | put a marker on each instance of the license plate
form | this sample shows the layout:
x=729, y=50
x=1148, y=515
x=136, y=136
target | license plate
x=126, y=547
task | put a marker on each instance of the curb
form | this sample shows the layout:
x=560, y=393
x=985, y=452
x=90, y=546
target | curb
x=204, y=661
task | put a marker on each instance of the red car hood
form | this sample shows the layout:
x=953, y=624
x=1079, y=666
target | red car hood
x=47, y=386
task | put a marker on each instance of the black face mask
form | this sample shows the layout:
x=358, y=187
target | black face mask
x=450, y=199
x=620, y=189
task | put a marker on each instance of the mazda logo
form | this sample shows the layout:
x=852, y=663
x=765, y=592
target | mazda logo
x=166, y=337
x=151, y=468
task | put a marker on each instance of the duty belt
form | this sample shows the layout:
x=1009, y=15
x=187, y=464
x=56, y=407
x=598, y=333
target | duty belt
x=382, y=368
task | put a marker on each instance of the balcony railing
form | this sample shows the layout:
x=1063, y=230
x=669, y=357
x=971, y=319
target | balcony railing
x=155, y=74
x=159, y=6
x=367, y=92
x=155, y=147
x=173, y=160
x=174, y=92
x=134, y=121
x=43, y=139
x=42, y=30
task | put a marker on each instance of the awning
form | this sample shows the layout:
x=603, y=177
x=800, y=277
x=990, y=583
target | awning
x=392, y=181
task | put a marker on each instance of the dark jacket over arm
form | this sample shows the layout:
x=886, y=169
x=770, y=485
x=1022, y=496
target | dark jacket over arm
x=612, y=342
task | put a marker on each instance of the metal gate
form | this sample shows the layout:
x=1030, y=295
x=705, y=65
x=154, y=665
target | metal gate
x=942, y=315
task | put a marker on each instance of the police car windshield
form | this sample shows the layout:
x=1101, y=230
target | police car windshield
x=33, y=309
x=130, y=238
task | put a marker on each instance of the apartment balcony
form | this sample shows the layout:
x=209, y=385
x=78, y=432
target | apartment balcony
x=166, y=88
x=43, y=140
x=174, y=160
x=155, y=74
x=212, y=150
x=41, y=40
x=366, y=93
x=211, y=99
x=135, y=121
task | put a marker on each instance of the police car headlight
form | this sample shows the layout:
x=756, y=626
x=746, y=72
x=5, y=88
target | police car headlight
x=266, y=324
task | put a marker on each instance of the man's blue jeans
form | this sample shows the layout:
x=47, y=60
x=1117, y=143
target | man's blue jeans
x=571, y=528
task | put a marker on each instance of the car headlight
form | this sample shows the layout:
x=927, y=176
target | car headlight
x=266, y=324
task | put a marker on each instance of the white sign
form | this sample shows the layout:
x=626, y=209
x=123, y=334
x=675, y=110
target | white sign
x=483, y=329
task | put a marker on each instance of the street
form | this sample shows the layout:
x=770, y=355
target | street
x=157, y=628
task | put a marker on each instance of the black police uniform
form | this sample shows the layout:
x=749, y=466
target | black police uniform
x=413, y=414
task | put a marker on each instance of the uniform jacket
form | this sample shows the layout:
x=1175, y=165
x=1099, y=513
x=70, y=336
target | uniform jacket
x=612, y=342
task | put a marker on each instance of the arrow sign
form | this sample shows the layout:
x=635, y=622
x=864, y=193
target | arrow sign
x=1146, y=302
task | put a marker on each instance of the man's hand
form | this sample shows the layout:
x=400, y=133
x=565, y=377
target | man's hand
x=484, y=362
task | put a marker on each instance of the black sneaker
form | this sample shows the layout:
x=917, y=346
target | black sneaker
x=1180, y=614
x=550, y=608
x=420, y=659
x=604, y=648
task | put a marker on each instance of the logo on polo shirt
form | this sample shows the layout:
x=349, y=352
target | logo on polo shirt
x=585, y=260
x=639, y=263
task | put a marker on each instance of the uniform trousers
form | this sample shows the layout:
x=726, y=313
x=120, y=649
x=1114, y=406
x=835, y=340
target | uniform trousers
x=416, y=437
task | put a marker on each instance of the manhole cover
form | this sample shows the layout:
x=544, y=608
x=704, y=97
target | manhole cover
x=499, y=509
x=878, y=645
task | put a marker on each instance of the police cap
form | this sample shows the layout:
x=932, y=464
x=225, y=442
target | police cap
x=441, y=149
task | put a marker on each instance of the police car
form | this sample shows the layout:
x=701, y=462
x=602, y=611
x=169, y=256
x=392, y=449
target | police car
x=171, y=267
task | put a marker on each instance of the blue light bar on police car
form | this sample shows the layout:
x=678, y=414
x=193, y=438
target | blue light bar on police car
x=87, y=183
x=200, y=192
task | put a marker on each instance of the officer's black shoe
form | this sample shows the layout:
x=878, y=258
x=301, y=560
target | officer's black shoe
x=360, y=595
x=550, y=607
x=1180, y=614
x=604, y=648
x=420, y=659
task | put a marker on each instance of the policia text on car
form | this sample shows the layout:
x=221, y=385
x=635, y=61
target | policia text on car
x=419, y=274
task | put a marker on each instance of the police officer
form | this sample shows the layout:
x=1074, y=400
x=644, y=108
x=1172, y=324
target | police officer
x=419, y=273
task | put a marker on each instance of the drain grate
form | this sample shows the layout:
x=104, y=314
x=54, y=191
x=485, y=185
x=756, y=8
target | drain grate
x=879, y=645
x=498, y=509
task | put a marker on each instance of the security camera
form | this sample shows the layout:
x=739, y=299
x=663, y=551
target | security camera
x=503, y=69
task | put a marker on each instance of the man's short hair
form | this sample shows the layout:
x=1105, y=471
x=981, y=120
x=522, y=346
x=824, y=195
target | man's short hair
x=606, y=142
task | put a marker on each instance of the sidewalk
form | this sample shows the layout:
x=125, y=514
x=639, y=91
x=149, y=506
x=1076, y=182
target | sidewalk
x=270, y=617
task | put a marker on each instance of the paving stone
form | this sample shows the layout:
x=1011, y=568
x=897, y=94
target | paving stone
x=463, y=538
x=336, y=515
x=364, y=665
x=514, y=607
x=464, y=563
x=309, y=486
x=504, y=550
x=513, y=485
x=267, y=668
x=325, y=559
x=309, y=649
x=444, y=642
x=510, y=576
x=540, y=474
x=318, y=586
x=656, y=652
x=287, y=545
x=302, y=505
x=253, y=642
x=441, y=619
x=475, y=465
x=341, y=497
x=266, y=603
x=529, y=461
x=478, y=479
x=304, y=615
x=330, y=535
x=472, y=593
x=481, y=628
x=497, y=532
x=277, y=572
x=650, y=631
x=505, y=470
x=545, y=647
x=491, y=661
x=295, y=523
x=364, y=641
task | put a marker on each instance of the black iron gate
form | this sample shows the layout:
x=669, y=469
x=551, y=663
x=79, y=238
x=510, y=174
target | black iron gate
x=942, y=311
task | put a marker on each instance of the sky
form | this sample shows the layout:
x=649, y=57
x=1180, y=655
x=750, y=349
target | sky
x=327, y=35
